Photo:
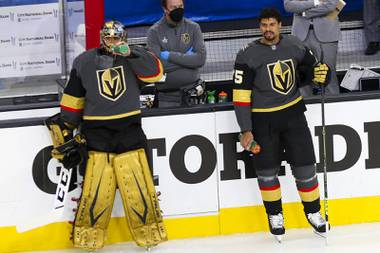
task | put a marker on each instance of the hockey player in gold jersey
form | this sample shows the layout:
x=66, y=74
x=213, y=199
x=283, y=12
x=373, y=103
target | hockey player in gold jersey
x=102, y=99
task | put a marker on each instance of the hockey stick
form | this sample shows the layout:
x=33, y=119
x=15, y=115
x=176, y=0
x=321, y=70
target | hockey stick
x=325, y=192
x=62, y=189
x=56, y=214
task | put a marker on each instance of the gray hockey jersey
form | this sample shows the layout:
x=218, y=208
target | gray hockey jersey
x=266, y=78
x=103, y=87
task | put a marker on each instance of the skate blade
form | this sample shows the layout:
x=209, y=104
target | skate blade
x=278, y=238
x=148, y=249
x=321, y=234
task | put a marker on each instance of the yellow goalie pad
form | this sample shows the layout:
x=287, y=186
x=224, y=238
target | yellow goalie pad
x=130, y=172
x=95, y=206
x=139, y=198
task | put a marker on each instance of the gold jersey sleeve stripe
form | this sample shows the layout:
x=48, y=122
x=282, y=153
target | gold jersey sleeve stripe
x=117, y=116
x=278, y=108
x=76, y=103
x=156, y=77
x=243, y=96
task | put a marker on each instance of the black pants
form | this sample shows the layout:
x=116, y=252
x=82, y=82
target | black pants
x=275, y=136
x=292, y=135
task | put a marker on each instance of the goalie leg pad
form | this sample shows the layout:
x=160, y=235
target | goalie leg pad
x=95, y=206
x=139, y=198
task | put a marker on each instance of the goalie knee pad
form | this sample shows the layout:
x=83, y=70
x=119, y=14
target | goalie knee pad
x=139, y=198
x=95, y=206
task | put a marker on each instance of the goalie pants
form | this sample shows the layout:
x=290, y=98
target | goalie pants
x=293, y=136
x=129, y=172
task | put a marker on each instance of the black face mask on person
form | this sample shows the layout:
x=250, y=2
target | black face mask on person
x=177, y=14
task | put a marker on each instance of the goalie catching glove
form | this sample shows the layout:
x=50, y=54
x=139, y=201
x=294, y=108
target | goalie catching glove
x=321, y=74
x=68, y=149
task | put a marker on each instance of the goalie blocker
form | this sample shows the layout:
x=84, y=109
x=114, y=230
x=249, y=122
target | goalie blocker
x=70, y=150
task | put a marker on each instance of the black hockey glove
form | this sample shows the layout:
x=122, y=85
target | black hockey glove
x=71, y=153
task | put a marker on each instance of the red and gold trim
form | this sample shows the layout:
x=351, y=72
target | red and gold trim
x=71, y=103
x=309, y=194
x=156, y=77
x=241, y=97
x=272, y=193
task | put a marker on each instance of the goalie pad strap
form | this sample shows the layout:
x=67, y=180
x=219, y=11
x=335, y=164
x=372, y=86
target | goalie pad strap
x=139, y=198
x=95, y=206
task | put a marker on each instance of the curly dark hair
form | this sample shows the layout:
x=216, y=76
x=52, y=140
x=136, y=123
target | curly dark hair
x=164, y=2
x=269, y=13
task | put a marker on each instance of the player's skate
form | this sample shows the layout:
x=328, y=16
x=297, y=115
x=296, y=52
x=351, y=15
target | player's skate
x=276, y=226
x=318, y=223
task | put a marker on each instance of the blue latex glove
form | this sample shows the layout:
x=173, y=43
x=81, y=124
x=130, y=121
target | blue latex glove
x=164, y=55
x=190, y=51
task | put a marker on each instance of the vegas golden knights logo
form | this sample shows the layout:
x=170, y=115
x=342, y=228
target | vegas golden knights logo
x=111, y=83
x=185, y=37
x=282, y=76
